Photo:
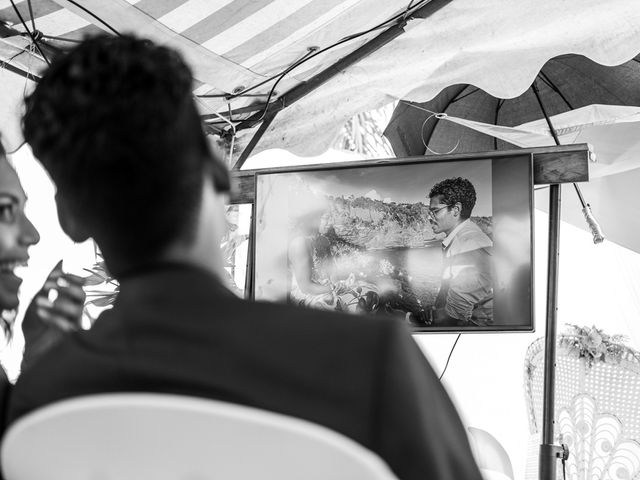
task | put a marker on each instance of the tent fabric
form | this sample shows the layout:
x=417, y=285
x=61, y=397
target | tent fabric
x=611, y=130
x=230, y=44
x=564, y=83
x=497, y=45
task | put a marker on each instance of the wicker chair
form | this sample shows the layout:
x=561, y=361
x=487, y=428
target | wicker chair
x=597, y=405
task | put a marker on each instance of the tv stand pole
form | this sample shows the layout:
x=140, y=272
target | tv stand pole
x=549, y=453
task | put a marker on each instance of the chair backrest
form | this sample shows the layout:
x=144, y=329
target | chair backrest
x=493, y=460
x=597, y=407
x=127, y=436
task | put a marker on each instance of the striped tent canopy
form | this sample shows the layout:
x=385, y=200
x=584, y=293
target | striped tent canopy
x=295, y=71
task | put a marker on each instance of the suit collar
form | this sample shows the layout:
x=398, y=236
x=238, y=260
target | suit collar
x=157, y=277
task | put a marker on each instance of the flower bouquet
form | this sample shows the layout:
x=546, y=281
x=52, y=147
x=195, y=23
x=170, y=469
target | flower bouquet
x=593, y=344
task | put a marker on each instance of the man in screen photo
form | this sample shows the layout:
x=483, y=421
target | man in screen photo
x=466, y=290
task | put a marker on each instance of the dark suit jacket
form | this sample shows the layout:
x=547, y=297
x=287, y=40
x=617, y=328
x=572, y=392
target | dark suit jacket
x=176, y=329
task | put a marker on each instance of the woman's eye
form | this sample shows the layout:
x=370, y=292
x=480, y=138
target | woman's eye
x=7, y=212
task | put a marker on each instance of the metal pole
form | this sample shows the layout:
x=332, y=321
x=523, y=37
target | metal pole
x=549, y=451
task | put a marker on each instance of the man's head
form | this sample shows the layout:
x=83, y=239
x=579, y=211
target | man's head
x=450, y=203
x=115, y=124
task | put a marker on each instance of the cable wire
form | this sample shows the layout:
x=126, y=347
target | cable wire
x=312, y=54
x=449, y=357
x=13, y=57
x=387, y=23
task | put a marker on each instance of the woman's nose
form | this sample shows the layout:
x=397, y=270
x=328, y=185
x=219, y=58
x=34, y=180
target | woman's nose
x=30, y=235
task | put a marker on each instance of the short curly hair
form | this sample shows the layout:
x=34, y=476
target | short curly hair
x=456, y=190
x=115, y=124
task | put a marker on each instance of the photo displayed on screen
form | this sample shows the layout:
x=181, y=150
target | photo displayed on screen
x=443, y=246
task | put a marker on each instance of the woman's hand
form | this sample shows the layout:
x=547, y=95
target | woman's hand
x=60, y=302
x=55, y=310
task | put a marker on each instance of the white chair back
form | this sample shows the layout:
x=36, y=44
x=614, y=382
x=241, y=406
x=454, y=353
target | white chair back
x=493, y=460
x=140, y=436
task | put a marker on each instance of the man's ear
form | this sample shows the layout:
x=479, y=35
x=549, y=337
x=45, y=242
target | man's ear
x=69, y=222
x=458, y=209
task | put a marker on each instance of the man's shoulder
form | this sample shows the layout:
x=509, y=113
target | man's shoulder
x=70, y=351
x=471, y=237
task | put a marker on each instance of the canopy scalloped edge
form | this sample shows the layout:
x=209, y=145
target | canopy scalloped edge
x=497, y=45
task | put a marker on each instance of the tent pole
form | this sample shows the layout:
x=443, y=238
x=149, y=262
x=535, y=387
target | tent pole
x=596, y=231
x=266, y=122
x=549, y=453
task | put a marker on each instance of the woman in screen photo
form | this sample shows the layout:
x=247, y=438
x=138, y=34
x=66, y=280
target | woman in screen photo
x=311, y=262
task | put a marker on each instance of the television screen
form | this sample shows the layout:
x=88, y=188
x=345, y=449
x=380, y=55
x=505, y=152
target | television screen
x=445, y=246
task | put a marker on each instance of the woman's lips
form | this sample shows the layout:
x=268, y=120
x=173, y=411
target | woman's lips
x=8, y=266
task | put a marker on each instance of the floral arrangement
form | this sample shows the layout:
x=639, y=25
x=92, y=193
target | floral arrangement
x=593, y=344
x=101, y=289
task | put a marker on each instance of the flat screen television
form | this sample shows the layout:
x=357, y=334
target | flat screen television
x=443, y=245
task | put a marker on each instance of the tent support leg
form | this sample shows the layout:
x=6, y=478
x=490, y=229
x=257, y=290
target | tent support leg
x=548, y=451
x=254, y=141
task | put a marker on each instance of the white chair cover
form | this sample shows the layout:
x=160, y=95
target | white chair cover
x=493, y=460
x=139, y=436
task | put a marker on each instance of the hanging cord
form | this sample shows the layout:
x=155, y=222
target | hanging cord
x=449, y=357
x=4, y=63
x=32, y=52
x=438, y=116
x=596, y=231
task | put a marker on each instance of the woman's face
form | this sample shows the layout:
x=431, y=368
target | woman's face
x=17, y=234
